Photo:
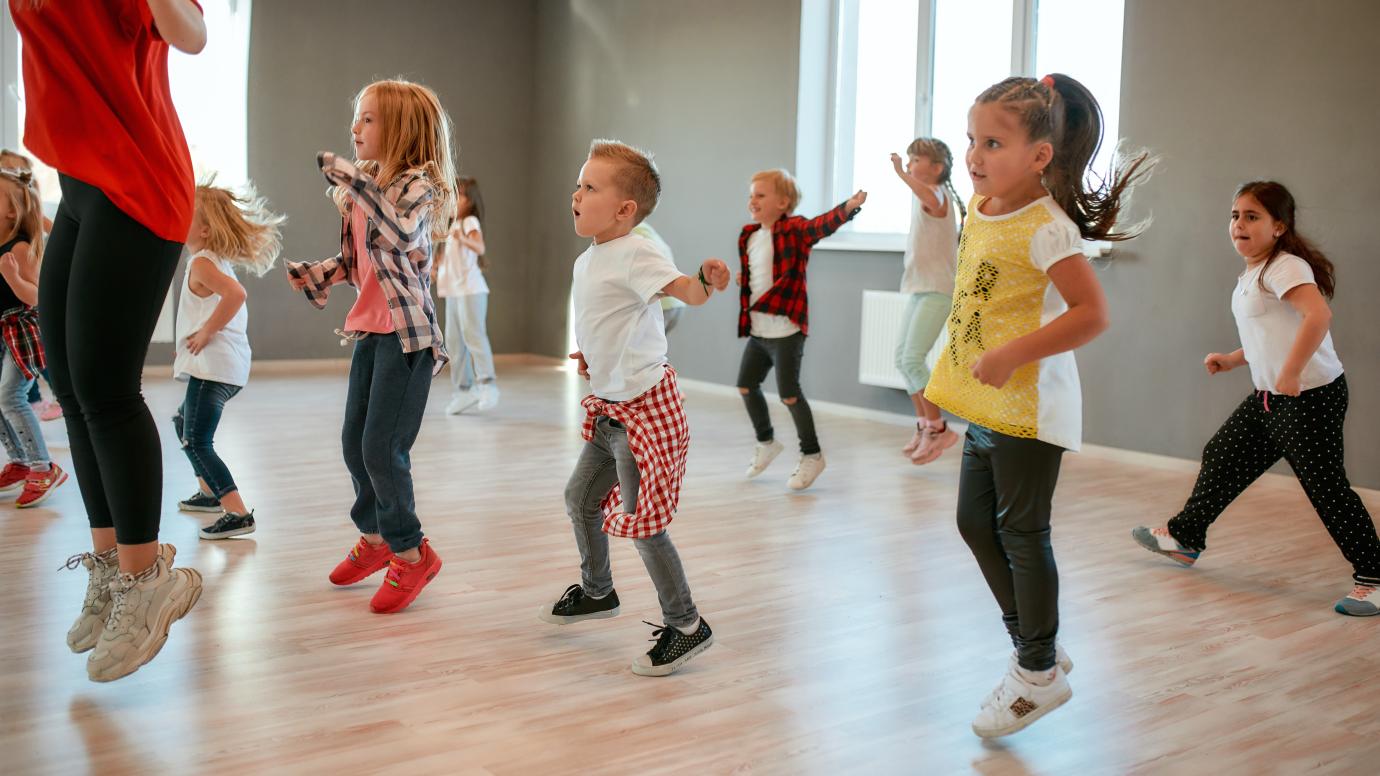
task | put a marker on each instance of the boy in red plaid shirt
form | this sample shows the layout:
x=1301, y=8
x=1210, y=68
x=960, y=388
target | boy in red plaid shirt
x=627, y=481
x=774, y=312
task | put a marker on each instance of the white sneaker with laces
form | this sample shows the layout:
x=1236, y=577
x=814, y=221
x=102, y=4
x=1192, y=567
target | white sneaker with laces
x=462, y=401
x=1362, y=601
x=762, y=456
x=1018, y=703
x=143, y=608
x=1061, y=659
x=488, y=397
x=806, y=471
x=102, y=570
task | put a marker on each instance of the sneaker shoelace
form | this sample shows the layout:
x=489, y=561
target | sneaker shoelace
x=670, y=642
x=395, y=572
x=570, y=599
x=120, y=591
x=1361, y=591
x=94, y=587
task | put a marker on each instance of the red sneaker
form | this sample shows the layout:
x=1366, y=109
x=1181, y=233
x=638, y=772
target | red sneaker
x=363, y=560
x=39, y=486
x=12, y=477
x=405, y=580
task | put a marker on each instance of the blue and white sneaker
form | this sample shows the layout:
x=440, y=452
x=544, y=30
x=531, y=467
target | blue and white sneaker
x=1159, y=541
x=1362, y=601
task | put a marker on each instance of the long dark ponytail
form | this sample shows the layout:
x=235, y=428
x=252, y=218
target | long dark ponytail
x=1279, y=203
x=1061, y=110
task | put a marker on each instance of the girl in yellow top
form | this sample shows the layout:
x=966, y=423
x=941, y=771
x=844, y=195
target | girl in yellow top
x=1024, y=298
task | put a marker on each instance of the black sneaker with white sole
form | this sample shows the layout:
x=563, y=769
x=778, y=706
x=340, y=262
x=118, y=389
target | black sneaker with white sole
x=575, y=606
x=199, y=502
x=229, y=524
x=673, y=649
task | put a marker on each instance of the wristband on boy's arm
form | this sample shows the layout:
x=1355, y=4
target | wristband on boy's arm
x=704, y=283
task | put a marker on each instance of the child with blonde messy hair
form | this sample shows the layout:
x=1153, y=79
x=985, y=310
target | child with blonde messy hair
x=396, y=200
x=228, y=230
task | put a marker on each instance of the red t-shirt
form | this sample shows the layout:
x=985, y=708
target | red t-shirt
x=99, y=108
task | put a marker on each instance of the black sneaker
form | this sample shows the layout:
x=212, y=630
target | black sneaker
x=575, y=606
x=673, y=649
x=199, y=502
x=229, y=524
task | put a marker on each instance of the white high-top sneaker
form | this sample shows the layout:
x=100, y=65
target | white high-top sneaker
x=102, y=570
x=142, y=610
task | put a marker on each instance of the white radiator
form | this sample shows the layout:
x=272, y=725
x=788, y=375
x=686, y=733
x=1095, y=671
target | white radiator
x=882, y=315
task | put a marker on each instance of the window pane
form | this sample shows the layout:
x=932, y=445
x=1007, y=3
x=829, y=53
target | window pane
x=1082, y=38
x=972, y=51
x=884, y=119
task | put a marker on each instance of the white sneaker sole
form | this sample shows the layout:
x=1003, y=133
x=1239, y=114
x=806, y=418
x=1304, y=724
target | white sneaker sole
x=181, y=507
x=158, y=635
x=1027, y=720
x=674, y=665
x=546, y=616
x=249, y=529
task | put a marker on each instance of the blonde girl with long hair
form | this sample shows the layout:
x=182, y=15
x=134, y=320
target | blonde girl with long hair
x=229, y=231
x=395, y=200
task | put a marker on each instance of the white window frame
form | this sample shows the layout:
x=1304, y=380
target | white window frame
x=825, y=96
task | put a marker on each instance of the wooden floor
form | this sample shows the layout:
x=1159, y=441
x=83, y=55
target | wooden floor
x=854, y=633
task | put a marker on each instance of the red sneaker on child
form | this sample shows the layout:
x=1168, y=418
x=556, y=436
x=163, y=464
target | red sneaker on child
x=38, y=486
x=363, y=560
x=405, y=580
x=12, y=477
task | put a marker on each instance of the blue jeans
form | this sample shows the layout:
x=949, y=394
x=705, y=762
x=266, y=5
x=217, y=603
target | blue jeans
x=384, y=405
x=196, y=421
x=19, y=430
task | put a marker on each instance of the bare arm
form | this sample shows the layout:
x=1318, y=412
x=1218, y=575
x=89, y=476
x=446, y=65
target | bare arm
x=207, y=280
x=474, y=241
x=691, y=291
x=1317, y=317
x=21, y=271
x=928, y=199
x=180, y=23
x=1080, y=324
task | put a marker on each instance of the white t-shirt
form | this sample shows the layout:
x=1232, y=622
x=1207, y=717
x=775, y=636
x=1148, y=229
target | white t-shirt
x=932, y=251
x=760, y=280
x=1268, y=324
x=618, y=321
x=457, y=270
x=225, y=359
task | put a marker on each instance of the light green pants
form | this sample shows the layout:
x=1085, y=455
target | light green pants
x=924, y=319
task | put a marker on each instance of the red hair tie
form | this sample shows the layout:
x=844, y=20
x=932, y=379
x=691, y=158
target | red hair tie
x=1048, y=81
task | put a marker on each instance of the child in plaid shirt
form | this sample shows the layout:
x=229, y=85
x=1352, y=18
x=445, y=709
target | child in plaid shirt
x=21, y=228
x=627, y=481
x=774, y=312
x=394, y=204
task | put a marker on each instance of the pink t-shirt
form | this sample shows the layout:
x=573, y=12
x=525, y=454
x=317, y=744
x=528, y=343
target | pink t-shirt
x=370, y=312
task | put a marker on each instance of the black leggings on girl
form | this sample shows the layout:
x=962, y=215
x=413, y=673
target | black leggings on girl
x=1306, y=431
x=102, y=286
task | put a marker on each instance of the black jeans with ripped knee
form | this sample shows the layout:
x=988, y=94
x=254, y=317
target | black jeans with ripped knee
x=785, y=354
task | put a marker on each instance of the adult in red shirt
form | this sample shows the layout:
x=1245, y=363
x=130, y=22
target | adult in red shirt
x=100, y=112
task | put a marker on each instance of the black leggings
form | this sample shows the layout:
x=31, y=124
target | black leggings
x=784, y=354
x=102, y=286
x=1306, y=431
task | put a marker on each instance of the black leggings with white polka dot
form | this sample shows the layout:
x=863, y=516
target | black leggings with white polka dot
x=1306, y=431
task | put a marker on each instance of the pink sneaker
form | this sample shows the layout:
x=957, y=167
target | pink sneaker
x=51, y=411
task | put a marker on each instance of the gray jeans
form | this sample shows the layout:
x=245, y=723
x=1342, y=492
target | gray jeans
x=605, y=460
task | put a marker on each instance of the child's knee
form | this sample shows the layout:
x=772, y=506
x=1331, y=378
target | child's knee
x=789, y=400
x=744, y=391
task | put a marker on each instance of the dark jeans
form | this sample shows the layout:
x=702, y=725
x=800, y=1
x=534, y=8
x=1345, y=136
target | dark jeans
x=102, y=285
x=383, y=413
x=1306, y=431
x=785, y=354
x=1005, y=488
x=196, y=421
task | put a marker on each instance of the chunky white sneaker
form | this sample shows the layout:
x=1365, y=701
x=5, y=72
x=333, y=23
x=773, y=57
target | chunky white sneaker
x=102, y=570
x=1061, y=659
x=806, y=471
x=462, y=401
x=143, y=608
x=762, y=456
x=1019, y=703
x=488, y=397
x=1159, y=541
x=1362, y=601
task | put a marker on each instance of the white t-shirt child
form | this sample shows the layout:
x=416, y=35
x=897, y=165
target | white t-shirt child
x=619, y=326
x=458, y=272
x=1268, y=324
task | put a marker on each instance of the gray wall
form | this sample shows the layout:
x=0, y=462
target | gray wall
x=308, y=60
x=1226, y=92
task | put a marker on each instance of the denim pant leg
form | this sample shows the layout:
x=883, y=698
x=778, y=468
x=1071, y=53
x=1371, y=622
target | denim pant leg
x=461, y=368
x=474, y=309
x=200, y=417
x=595, y=473
x=393, y=417
x=752, y=370
x=23, y=435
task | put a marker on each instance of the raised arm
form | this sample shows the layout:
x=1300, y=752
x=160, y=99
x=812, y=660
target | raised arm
x=825, y=224
x=181, y=24
x=925, y=192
